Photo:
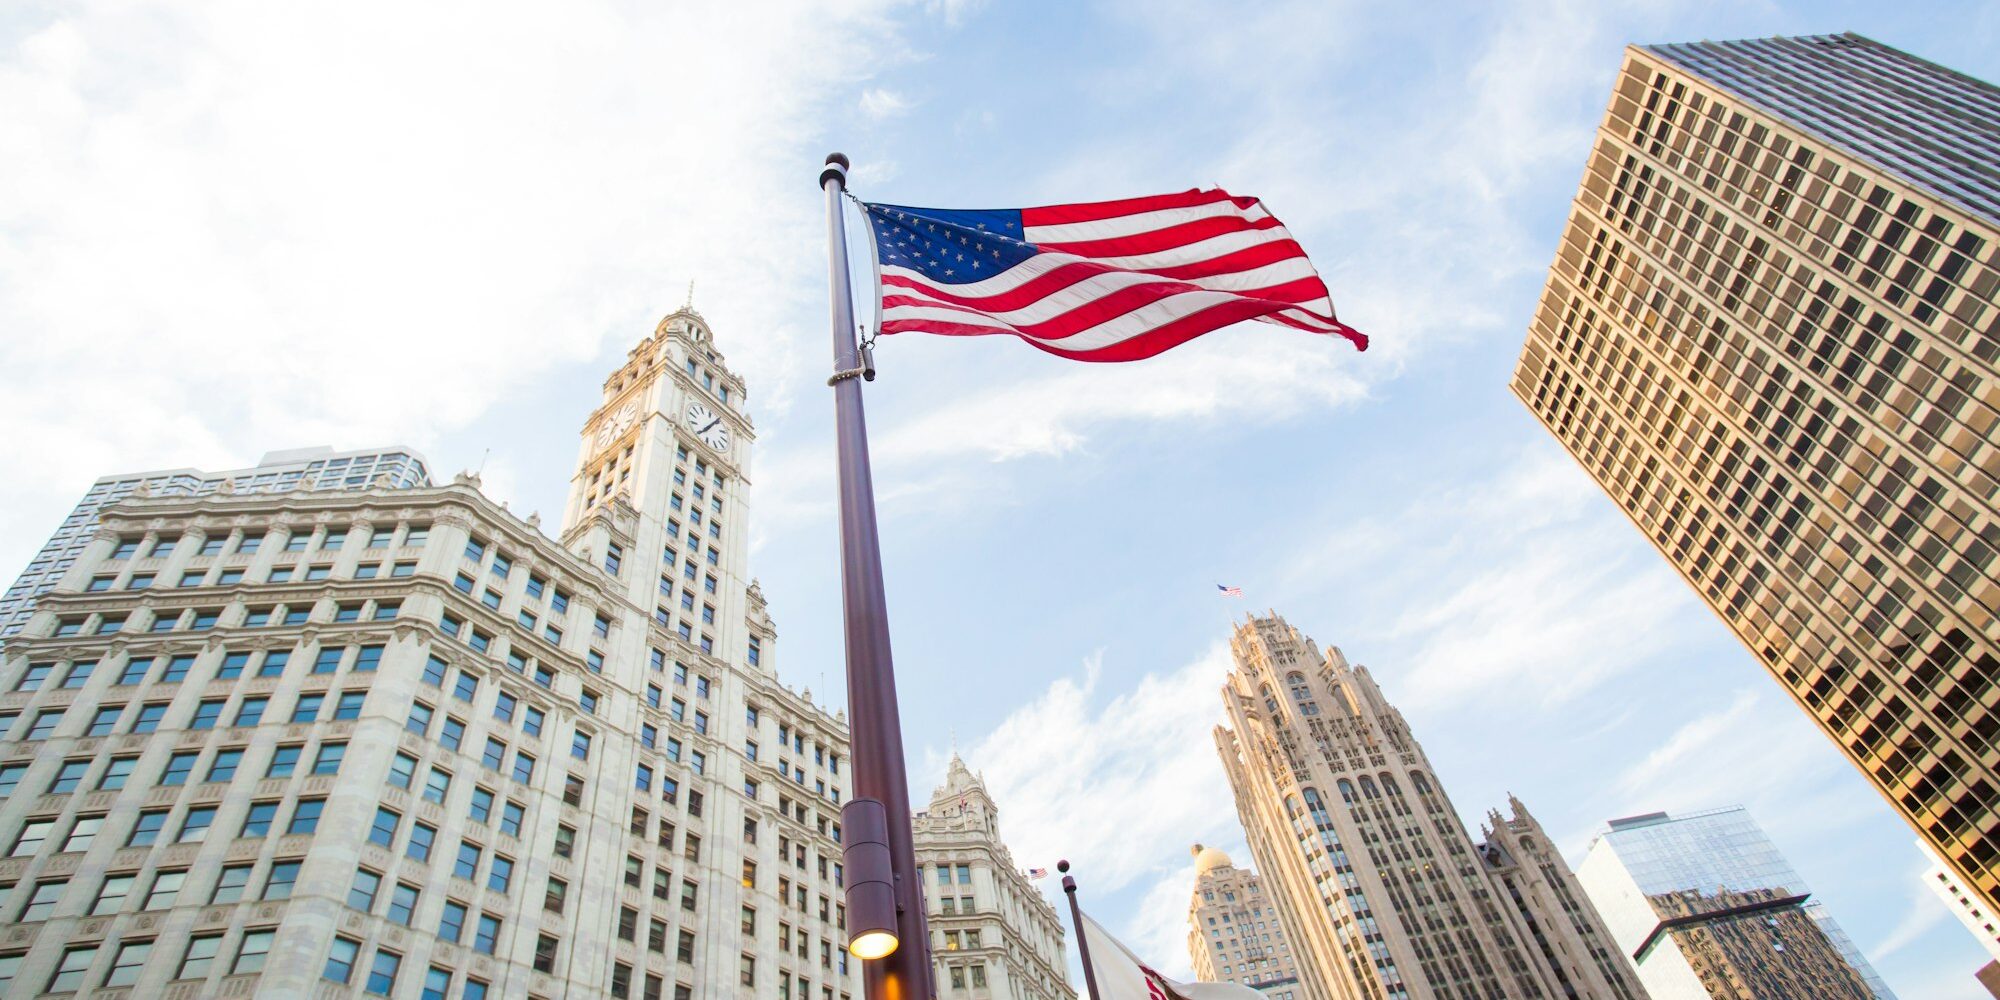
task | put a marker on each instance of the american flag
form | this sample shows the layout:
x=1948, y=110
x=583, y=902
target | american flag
x=1103, y=281
x=1035, y=873
x=1230, y=591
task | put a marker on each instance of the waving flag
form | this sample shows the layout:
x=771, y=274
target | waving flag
x=1038, y=873
x=1104, y=281
x=1230, y=591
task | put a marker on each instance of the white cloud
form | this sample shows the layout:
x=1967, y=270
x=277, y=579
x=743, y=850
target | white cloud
x=228, y=228
x=881, y=102
x=1756, y=751
x=954, y=12
x=1247, y=376
x=1925, y=911
x=1119, y=785
x=1665, y=772
x=1264, y=380
x=1512, y=585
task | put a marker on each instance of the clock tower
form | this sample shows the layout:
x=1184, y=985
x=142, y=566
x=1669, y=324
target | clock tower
x=658, y=498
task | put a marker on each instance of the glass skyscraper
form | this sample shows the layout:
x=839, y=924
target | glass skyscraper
x=277, y=472
x=1704, y=900
x=1770, y=334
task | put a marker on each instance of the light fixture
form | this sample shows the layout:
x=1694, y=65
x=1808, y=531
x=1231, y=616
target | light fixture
x=871, y=881
x=873, y=944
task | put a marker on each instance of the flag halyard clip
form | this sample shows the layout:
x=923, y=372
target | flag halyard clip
x=866, y=372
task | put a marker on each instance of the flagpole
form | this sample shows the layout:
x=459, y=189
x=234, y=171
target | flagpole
x=883, y=893
x=1082, y=942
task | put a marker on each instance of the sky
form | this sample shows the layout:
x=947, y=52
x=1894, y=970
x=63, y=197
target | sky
x=232, y=228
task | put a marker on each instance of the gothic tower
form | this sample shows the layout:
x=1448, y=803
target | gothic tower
x=1381, y=891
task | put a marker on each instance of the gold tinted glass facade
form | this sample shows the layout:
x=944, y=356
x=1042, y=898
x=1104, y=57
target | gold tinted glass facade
x=1769, y=334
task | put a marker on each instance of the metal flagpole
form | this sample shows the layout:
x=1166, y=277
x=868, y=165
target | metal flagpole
x=1082, y=942
x=886, y=926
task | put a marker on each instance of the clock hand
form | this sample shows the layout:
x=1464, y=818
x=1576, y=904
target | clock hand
x=711, y=423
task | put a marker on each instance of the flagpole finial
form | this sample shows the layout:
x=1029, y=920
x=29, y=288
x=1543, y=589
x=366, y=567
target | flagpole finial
x=1063, y=865
x=836, y=166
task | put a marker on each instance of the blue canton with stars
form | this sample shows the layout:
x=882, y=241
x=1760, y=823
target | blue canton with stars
x=949, y=246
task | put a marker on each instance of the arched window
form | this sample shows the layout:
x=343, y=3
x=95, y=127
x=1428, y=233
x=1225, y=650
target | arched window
x=1270, y=703
x=1347, y=791
x=1368, y=787
x=1297, y=682
x=1422, y=785
x=1389, y=785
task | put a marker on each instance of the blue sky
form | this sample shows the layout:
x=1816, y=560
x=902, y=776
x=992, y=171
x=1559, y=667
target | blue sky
x=229, y=230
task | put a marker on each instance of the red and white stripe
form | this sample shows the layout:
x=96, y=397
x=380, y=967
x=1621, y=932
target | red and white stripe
x=1125, y=280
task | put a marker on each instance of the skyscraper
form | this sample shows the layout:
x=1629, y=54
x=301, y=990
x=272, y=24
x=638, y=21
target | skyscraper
x=398, y=741
x=277, y=472
x=993, y=936
x=1709, y=909
x=1234, y=935
x=1769, y=333
x=1381, y=891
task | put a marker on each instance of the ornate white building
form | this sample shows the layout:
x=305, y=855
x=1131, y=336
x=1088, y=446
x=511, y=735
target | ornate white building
x=1234, y=935
x=398, y=742
x=1382, y=893
x=993, y=936
x=277, y=472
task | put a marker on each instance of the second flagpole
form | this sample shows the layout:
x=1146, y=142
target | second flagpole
x=1082, y=941
x=884, y=898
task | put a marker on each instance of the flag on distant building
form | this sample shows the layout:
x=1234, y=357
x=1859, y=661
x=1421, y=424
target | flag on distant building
x=1230, y=591
x=1121, y=975
x=1038, y=873
x=1103, y=281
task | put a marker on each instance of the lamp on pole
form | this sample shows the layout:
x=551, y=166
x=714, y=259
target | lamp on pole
x=886, y=925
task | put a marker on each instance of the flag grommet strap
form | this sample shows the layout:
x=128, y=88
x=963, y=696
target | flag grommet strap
x=1104, y=281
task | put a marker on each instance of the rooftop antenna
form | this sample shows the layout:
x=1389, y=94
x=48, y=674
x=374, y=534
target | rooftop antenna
x=483, y=456
x=689, y=306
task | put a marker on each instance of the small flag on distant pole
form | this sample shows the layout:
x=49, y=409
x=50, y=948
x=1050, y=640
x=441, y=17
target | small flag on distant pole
x=1104, y=281
x=1230, y=591
x=1038, y=873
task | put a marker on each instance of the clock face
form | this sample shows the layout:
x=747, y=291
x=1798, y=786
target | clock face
x=617, y=424
x=707, y=426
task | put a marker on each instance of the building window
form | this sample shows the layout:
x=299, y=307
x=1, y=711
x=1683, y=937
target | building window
x=361, y=895
x=284, y=876
x=230, y=884
x=199, y=957
x=255, y=949
x=340, y=960
x=305, y=816
x=68, y=977
x=487, y=935
x=402, y=903
x=382, y=973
